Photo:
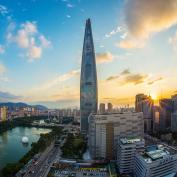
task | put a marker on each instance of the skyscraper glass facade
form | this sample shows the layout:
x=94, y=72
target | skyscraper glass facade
x=88, y=82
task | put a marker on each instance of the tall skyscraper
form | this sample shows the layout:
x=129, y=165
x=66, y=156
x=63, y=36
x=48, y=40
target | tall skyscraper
x=145, y=104
x=88, y=82
x=166, y=109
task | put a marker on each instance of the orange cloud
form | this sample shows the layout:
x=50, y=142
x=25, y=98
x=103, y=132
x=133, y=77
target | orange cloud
x=146, y=16
x=130, y=43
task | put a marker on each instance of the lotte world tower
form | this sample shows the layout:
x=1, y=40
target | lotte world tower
x=88, y=82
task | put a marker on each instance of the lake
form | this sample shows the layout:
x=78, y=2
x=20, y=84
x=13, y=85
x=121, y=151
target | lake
x=11, y=147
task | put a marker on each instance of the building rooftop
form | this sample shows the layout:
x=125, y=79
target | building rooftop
x=130, y=140
x=156, y=152
x=115, y=113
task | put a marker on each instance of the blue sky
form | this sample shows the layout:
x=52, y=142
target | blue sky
x=41, y=46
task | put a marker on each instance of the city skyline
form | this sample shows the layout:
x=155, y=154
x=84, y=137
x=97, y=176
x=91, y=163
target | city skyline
x=40, y=55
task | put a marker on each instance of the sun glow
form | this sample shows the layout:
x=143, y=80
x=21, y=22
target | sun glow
x=154, y=96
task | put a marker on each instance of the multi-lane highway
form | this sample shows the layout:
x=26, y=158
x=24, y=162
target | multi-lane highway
x=41, y=166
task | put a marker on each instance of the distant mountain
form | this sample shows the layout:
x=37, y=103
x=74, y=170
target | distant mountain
x=40, y=107
x=21, y=105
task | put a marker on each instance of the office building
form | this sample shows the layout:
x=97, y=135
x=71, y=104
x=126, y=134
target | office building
x=126, y=151
x=88, y=80
x=166, y=108
x=145, y=104
x=105, y=130
x=102, y=108
x=174, y=122
x=110, y=108
x=174, y=100
x=156, y=119
x=156, y=161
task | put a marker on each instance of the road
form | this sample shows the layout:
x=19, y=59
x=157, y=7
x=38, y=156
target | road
x=41, y=167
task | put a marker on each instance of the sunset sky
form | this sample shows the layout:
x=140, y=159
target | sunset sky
x=41, y=48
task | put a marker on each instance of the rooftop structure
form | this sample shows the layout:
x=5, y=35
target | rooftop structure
x=156, y=161
x=130, y=140
x=156, y=152
x=127, y=149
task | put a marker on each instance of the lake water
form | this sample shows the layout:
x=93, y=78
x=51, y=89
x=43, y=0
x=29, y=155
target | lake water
x=11, y=147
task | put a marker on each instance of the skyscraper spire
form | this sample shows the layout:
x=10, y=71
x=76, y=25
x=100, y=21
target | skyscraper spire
x=88, y=82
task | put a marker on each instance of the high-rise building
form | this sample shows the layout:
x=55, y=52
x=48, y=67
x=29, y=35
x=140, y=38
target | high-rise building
x=166, y=109
x=174, y=100
x=145, y=104
x=110, y=107
x=105, y=130
x=156, y=119
x=88, y=80
x=156, y=161
x=3, y=113
x=127, y=149
x=102, y=108
x=174, y=122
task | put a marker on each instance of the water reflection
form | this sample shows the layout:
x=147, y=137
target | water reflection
x=4, y=138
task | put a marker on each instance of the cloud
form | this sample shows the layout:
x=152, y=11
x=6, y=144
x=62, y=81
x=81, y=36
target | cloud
x=173, y=41
x=112, y=78
x=125, y=72
x=34, y=52
x=70, y=5
x=104, y=57
x=127, y=77
x=116, y=77
x=114, y=32
x=134, y=79
x=3, y=10
x=44, y=42
x=145, y=17
x=2, y=69
x=130, y=43
x=58, y=88
x=6, y=96
x=59, y=79
x=29, y=39
x=68, y=16
x=2, y=49
x=155, y=80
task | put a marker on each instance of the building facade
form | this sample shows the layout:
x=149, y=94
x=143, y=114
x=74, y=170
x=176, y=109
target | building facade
x=3, y=113
x=126, y=151
x=145, y=104
x=166, y=109
x=102, y=108
x=174, y=122
x=105, y=130
x=110, y=108
x=88, y=80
